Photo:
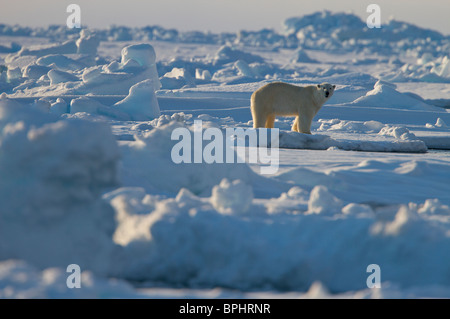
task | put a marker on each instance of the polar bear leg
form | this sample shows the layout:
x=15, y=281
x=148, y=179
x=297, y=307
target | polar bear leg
x=304, y=124
x=259, y=119
x=270, y=121
x=295, y=127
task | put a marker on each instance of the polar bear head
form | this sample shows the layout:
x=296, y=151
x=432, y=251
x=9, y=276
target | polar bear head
x=327, y=89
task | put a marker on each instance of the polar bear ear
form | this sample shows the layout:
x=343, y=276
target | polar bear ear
x=318, y=85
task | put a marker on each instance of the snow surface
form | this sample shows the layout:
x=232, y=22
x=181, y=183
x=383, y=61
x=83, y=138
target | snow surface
x=87, y=177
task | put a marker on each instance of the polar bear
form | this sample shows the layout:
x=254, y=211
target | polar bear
x=283, y=99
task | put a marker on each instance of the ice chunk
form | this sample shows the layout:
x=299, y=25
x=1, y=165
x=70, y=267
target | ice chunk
x=87, y=105
x=357, y=209
x=141, y=102
x=114, y=66
x=301, y=56
x=204, y=75
x=14, y=47
x=57, y=76
x=178, y=73
x=440, y=123
x=59, y=107
x=434, y=206
x=186, y=199
x=177, y=78
x=444, y=68
x=22, y=280
x=14, y=73
x=232, y=197
x=118, y=78
x=350, y=126
x=318, y=291
x=425, y=58
x=92, y=75
x=244, y=68
x=374, y=126
x=404, y=218
x=228, y=54
x=132, y=206
x=60, y=61
x=145, y=55
x=34, y=71
x=41, y=104
x=7, y=103
x=129, y=65
x=384, y=95
x=61, y=168
x=400, y=132
x=321, y=201
x=291, y=139
x=87, y=43
x=67, y=47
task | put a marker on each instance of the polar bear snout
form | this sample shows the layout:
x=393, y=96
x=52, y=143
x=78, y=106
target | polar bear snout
x=327, y=89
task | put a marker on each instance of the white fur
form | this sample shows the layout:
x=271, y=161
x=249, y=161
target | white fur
x=283, y=99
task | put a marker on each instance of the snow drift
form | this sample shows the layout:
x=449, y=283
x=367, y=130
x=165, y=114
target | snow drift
x=210, y=248
x=53, y=173
x=152, y=152
x=385, y=95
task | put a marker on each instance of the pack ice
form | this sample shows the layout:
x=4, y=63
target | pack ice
x=87, y=178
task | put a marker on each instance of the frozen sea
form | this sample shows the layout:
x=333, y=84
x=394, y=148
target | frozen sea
x=87, y=177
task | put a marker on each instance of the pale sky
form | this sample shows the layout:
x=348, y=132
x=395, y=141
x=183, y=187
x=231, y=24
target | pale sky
x=216, y=15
